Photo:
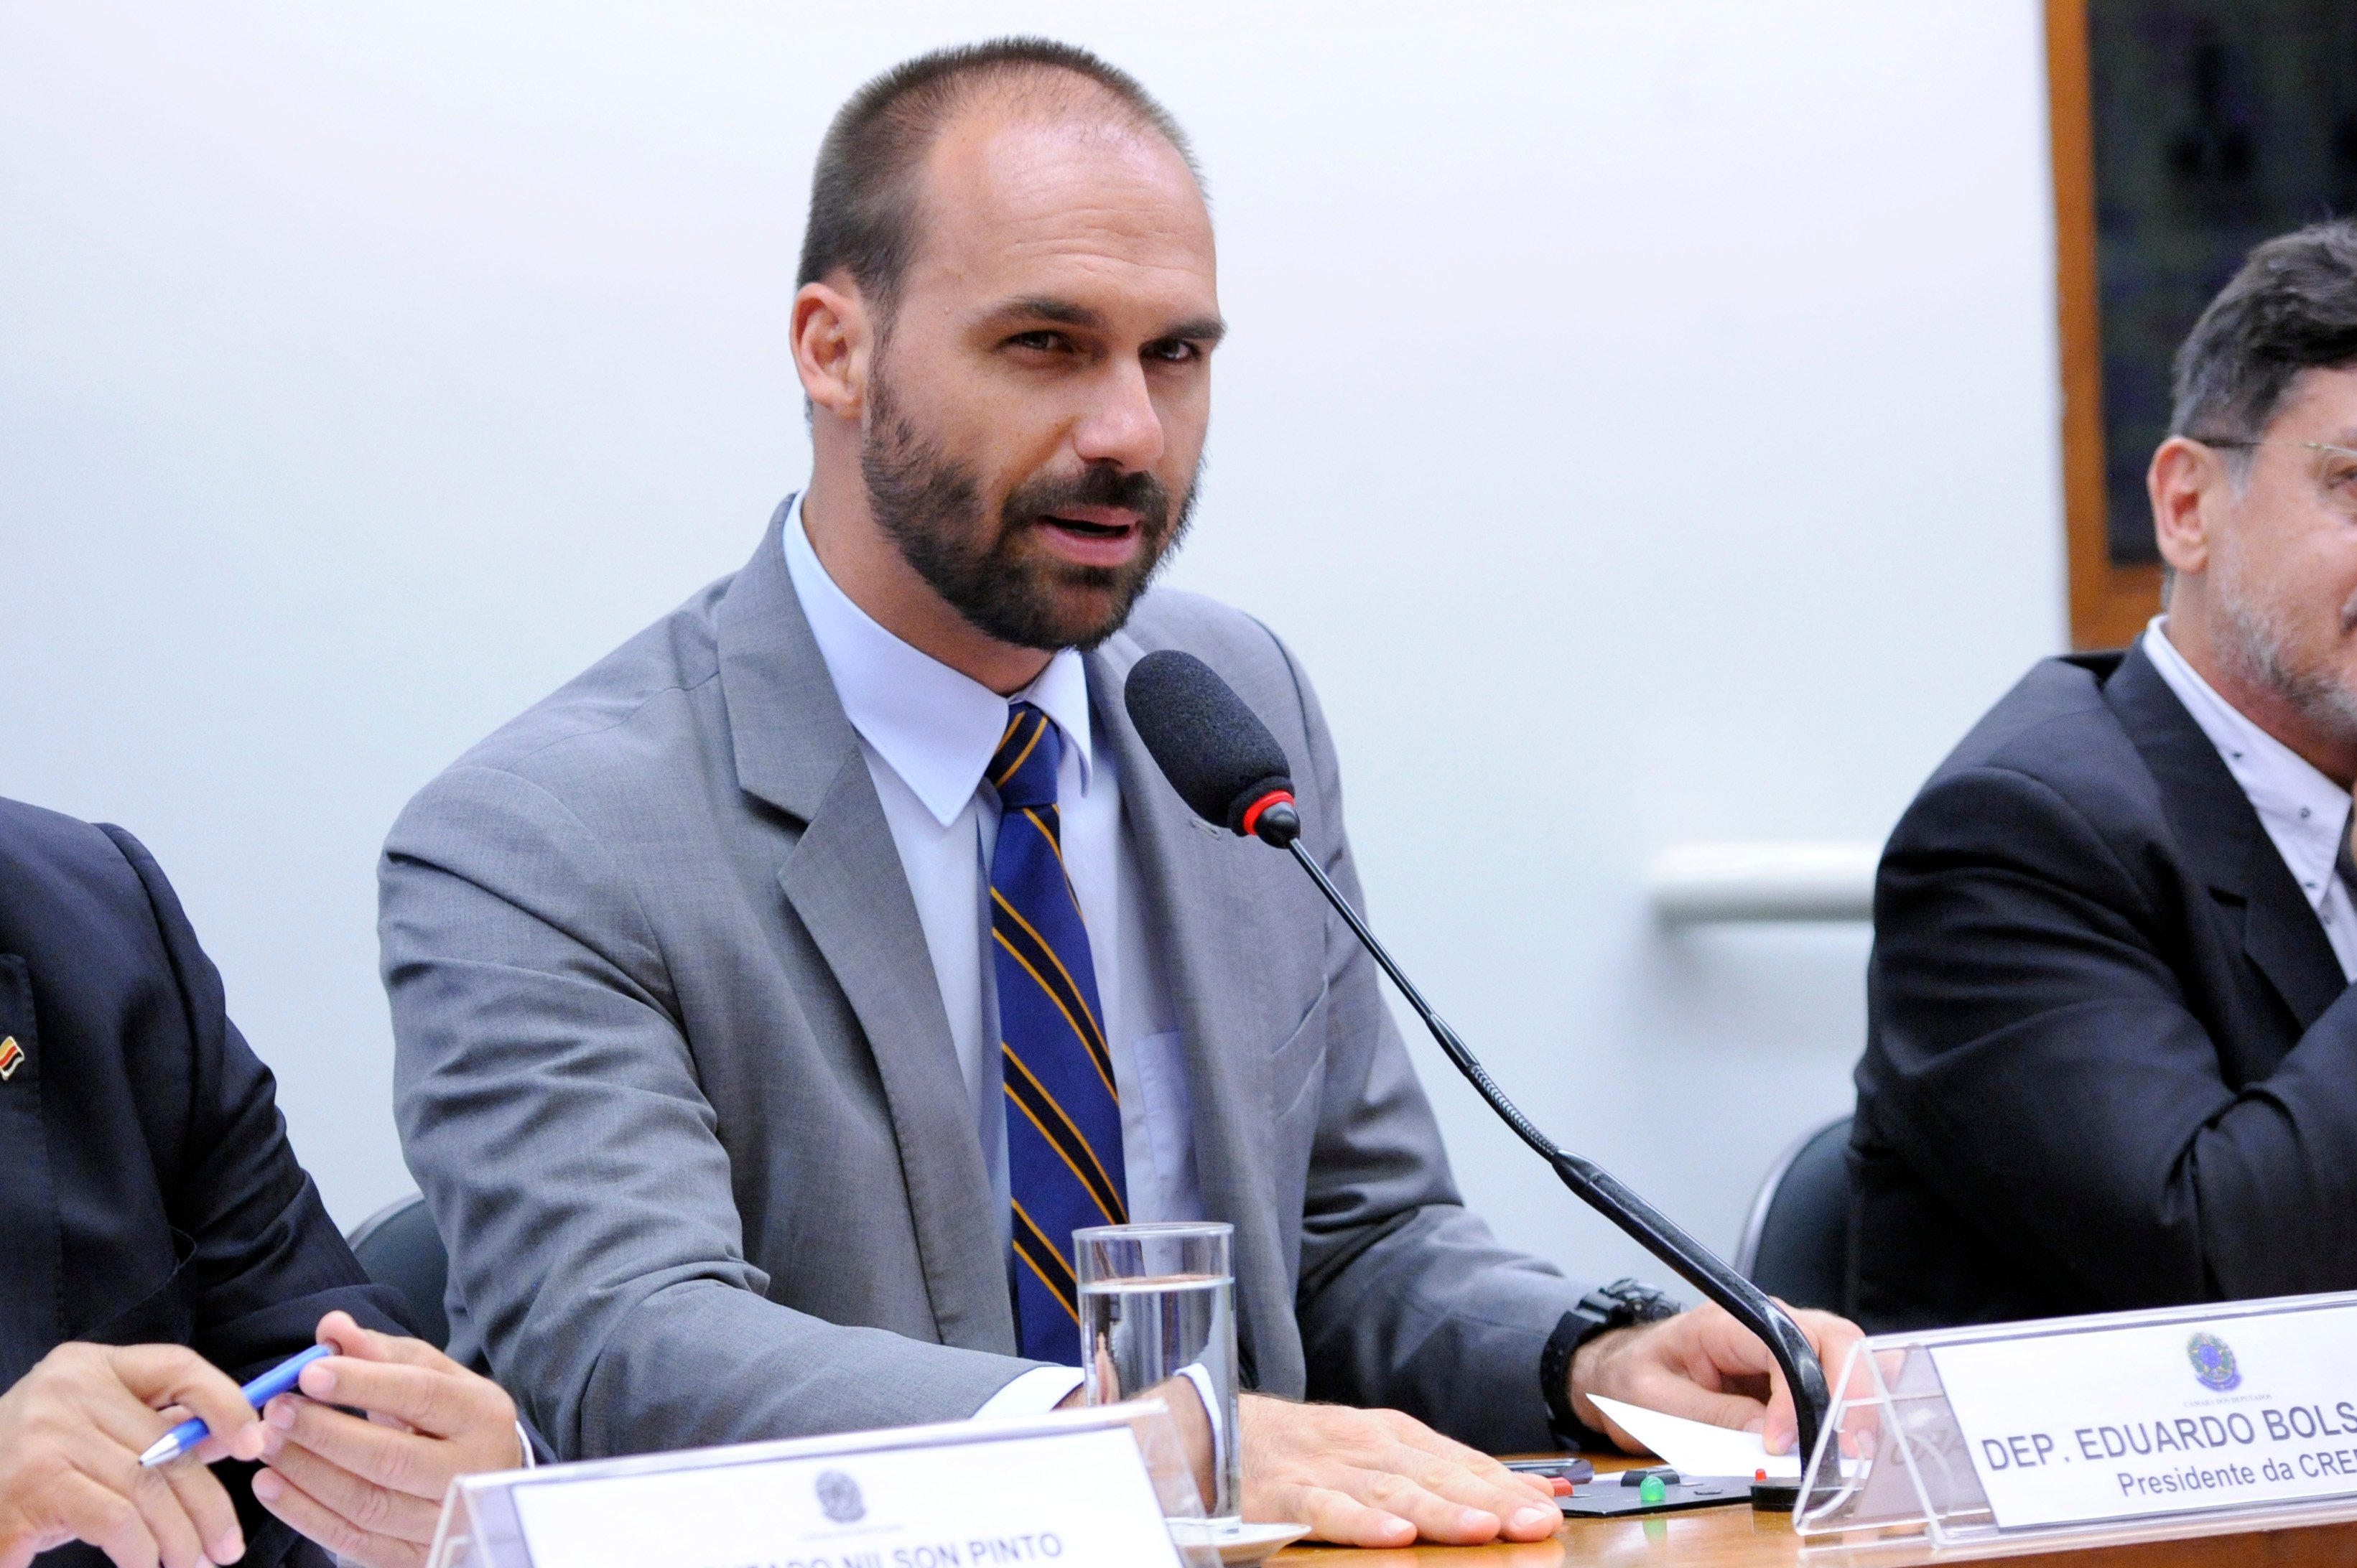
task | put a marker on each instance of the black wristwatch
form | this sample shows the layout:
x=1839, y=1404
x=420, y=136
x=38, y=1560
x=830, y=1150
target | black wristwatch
x=1617, y=1305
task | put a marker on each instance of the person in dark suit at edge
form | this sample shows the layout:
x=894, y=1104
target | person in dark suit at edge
x=2111, y=1056
x=159, y=1245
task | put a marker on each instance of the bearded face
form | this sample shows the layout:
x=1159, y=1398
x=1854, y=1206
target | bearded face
x=2267, y=640
x=983, y=554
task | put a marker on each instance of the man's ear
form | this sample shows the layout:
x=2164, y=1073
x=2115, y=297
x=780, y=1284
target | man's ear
x=2189, y=489
x=834, y=340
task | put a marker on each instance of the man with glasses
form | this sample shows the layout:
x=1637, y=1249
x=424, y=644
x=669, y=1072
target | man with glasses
x=2111, y=1059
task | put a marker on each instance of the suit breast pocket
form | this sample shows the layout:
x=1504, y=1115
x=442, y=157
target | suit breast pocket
x=1297, y=1066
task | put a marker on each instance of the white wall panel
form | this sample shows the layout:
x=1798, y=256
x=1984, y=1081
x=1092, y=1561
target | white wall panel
x=1641, y=416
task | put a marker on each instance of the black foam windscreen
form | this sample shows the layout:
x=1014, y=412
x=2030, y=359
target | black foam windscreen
x=1214, y=749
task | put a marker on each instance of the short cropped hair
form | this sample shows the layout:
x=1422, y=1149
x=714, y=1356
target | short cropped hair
x=2292, y=307
x=863, y=190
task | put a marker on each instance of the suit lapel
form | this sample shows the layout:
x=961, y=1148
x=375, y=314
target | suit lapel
x=32, y=1318
x=1204, y=949
x=796, y=750
x=2221, y=837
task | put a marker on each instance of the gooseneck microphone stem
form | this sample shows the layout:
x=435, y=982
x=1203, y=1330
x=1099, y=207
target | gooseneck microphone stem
x=1601, y=1191
x=1232, y=772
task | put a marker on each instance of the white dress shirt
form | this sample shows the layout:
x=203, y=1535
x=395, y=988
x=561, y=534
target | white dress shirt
x=2305, y=813
x=929, y=734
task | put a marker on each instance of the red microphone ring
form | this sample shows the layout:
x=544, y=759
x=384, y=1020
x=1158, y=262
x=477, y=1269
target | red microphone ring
x=1252, y=812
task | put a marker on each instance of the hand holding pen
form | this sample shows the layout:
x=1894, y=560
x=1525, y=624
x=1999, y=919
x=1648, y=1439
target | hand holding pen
x=70, y=1433
x=281, y=1379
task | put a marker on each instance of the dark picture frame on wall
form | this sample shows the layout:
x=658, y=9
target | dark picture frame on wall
x=2184, y=131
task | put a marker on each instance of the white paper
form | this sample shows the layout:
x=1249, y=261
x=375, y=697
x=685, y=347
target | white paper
x=1075, y=1500
x=2156, y=1418
x=1698, y=1448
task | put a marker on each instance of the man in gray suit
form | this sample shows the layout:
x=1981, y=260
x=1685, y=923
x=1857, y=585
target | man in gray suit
x=697, y=967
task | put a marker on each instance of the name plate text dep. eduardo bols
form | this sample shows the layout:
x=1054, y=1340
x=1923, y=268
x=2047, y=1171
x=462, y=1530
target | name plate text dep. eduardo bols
x=2159, y=1418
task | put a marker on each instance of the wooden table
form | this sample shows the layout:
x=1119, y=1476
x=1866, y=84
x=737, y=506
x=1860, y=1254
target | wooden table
x=1738, y=1537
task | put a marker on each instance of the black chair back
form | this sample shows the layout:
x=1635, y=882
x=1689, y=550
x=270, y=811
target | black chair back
x=1796, y=1244
x=398, y=1246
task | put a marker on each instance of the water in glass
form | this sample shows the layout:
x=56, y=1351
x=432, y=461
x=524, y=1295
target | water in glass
x=1158, y=1303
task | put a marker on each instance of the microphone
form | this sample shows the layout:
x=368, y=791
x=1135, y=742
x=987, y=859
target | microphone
x=1230, y=770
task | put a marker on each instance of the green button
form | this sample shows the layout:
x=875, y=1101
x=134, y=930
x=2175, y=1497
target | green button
x=1650, y=1491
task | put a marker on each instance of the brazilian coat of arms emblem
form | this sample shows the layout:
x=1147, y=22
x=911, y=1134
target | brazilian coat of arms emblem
x=839, y=1499
x=2214, y=1362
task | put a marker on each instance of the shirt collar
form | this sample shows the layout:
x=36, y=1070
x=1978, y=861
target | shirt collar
x=937, y=728
x=2304, y=812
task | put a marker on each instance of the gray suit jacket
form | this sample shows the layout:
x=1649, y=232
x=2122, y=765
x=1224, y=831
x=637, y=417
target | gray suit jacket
x=673, y=1073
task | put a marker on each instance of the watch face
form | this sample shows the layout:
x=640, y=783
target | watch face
x=1643, y=1304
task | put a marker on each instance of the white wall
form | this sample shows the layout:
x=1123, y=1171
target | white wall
x=1641, y=415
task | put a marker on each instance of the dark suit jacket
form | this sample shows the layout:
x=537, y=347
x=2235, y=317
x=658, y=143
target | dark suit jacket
x=148, y=1192
x=2112, y=1061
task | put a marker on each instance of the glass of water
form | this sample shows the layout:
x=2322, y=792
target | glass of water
x=1158, y=1301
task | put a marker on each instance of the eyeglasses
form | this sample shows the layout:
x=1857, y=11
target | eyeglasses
x=2336, y=472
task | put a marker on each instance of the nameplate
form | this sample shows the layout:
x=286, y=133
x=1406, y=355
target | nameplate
x=2085, y=1425
x=1072, y=1498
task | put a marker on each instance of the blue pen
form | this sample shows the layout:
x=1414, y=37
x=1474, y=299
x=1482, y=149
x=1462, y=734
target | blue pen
x=259, y=1393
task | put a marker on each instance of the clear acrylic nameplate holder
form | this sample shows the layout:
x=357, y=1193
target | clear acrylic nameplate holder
x=1905, y=1474
x=481, y=1526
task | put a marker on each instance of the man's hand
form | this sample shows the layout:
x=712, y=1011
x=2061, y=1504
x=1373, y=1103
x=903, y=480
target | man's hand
x=71, y=1432
x=371, y=1490
x=1376, y=1478
x=1704, y=1366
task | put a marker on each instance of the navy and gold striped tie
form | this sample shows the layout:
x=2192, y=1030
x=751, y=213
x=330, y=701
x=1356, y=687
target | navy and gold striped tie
x=1063, y=1115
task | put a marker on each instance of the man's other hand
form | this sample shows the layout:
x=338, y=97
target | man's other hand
x=371, y=1490
x=1704, y=1366
x=71, y=1432
x=1376, y=1478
